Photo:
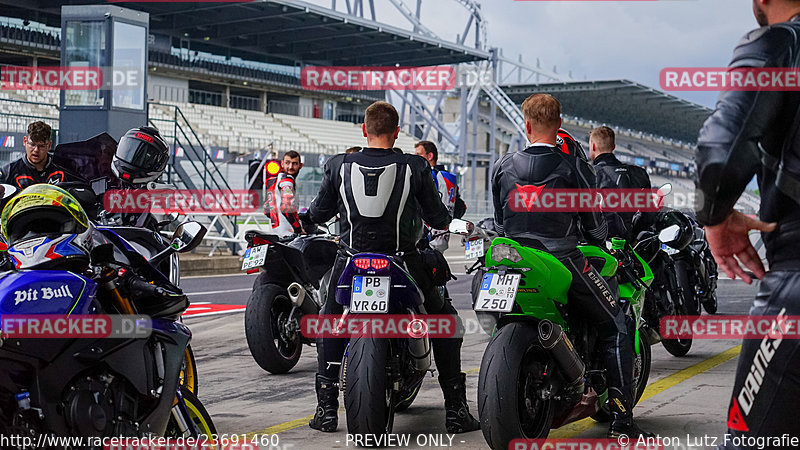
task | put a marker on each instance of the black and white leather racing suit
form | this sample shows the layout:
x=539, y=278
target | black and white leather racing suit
x=756, y=133
x=614, y=174
x=559, y=234
x=382, y=197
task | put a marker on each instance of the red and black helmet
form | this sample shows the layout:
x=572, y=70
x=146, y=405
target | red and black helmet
x=141, y=157
x=569, y=145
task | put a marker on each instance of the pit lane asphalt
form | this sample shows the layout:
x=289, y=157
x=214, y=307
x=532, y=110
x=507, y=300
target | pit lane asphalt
x=686, y=397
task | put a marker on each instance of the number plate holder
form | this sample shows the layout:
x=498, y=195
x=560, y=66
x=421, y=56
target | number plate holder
x=370, y=294
x=497, y=292
x=255, y=257
x=474, y=249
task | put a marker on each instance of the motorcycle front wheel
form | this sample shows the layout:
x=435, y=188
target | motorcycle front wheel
x=198, y=421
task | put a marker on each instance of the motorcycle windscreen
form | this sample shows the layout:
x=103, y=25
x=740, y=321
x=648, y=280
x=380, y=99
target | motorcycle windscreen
x=90, y=159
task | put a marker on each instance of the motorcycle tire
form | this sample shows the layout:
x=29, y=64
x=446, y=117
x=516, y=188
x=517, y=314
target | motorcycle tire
x=710, y=303
x=188, y=375
x=368, y=396
x=198, y=417
x=678, y=347
x=690, y=298
x=267, y=312
x=512, y=363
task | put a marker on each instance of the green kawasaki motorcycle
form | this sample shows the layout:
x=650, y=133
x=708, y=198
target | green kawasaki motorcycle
x=543, y=368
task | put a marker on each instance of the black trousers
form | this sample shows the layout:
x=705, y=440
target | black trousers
x=591, y=296
x=766, y=392
x=446, y=351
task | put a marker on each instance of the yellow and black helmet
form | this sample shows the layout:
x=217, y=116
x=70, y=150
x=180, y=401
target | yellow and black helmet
x=42, y=210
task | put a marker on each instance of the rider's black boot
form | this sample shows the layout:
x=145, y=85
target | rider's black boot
x=327, y=416
x=622, y=422
x=457, y=419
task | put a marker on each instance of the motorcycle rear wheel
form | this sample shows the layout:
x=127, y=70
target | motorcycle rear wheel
x=266, y=316
x=509, y=404
x=369, y=397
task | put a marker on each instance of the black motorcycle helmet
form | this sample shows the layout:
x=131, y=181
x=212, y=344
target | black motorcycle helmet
x=141, y=157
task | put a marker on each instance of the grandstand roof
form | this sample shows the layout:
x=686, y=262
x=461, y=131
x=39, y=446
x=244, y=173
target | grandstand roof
x=623, y=103
x=275, y=31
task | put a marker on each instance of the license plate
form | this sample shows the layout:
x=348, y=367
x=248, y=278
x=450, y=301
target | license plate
x=255, y=257
x=370, y=294
x=669, y=250
x=497, y=292
x=474, y=249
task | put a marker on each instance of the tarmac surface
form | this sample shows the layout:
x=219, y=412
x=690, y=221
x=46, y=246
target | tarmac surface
x=685, y=403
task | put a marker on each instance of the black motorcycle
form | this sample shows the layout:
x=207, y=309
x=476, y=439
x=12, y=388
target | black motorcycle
x=293, y=283
x=109, y=386
x=666, y=296
x=697, y=271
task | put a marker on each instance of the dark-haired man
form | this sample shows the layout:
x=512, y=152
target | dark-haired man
x=382, y=196
x=35, y=166
x=543, y=165
x=448, y=191
x=281, y=203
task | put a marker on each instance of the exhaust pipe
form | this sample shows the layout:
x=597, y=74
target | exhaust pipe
x=419, y=345
x=554, y=340
x=297, y=294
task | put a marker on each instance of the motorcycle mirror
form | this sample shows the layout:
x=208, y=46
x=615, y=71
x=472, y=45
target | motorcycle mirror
x=665, y=189
x=459, y=226
x=188, y=236
x=7, y=191
x=99, y=186
x=669, y=234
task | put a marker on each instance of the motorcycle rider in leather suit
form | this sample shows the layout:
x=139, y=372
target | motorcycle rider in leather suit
x=382, y=196
x=754, y=133
x=543, y=165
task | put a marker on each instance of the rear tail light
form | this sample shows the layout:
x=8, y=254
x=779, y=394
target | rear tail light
x=375, y=263
x=259, y=241
x=361, y=263
x=379, y=264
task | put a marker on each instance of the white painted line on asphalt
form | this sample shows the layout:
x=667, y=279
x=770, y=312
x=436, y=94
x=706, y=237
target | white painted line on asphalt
x=219, y=292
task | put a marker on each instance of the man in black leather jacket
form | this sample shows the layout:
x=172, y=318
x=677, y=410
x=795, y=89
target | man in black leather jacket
x=544, y=166
x=35, y=166
x=614, y=174
x=755, y=133
x=382, y=196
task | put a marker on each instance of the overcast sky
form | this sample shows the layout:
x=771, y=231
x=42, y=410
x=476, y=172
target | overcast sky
x=599, y=40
